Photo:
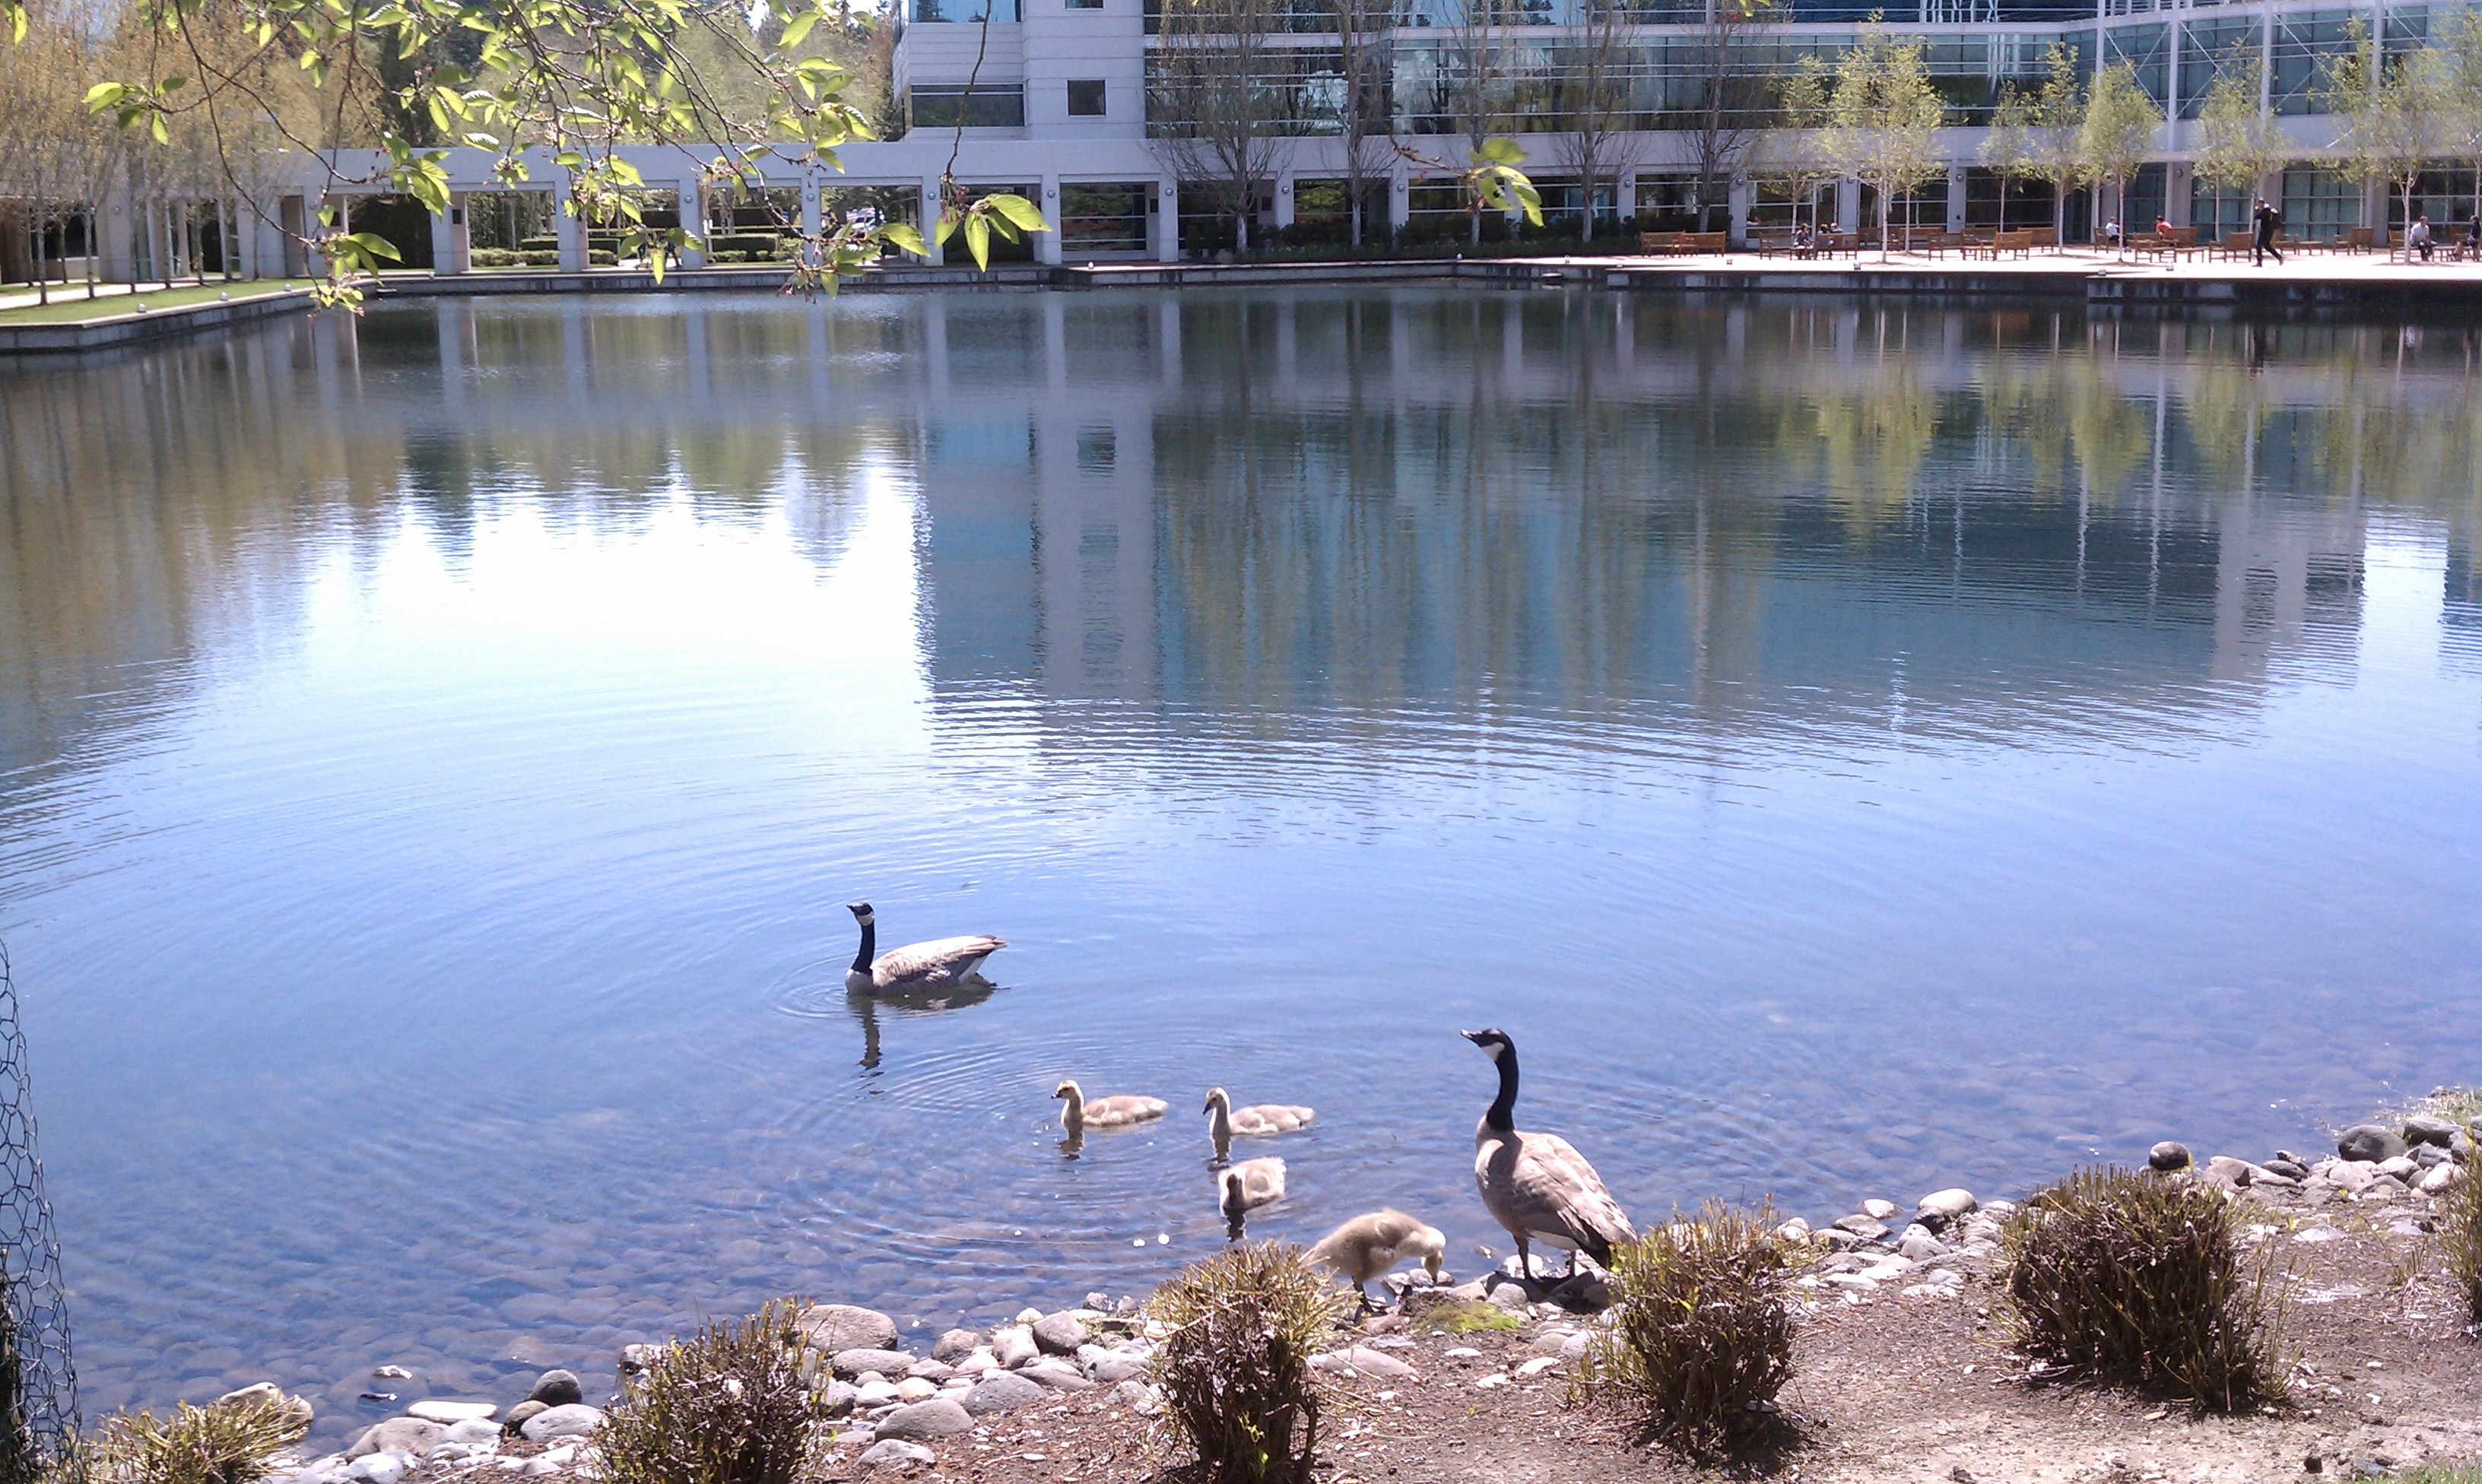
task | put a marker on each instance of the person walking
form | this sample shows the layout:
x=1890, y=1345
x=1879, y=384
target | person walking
x=2264, y=222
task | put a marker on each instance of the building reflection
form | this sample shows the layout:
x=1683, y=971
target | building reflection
x=1231, y=508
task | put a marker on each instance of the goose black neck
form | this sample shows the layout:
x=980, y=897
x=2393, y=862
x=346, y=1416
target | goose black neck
x=869, y=941
x=1502, y=1117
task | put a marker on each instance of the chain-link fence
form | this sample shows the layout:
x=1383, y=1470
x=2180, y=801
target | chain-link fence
x=39, y=1407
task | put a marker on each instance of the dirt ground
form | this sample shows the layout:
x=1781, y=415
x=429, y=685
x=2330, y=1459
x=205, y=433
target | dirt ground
x=1887, y=1388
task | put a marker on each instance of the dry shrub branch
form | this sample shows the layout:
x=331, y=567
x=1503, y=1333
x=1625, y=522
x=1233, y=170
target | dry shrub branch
x=730, y=1405
x=2137, y=1281
x=1235, y=1368
x=1702, y=1334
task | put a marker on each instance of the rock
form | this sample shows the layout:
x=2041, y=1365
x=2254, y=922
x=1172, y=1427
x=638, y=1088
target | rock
x=2401, y=1168
x=569, y=1421
x=955, y=1345
x=378, y=1469
x=1056, y=1373
x=2440, y=1177
x=2430, y=1156
x=2351, y=1176
x=1794, y=1231
x=1028, y=1317
x=409, y=1435
x=557, y=1389
x=916, y=1388
x=2290, y=1169
x=1921, y=1248
x=635, y=1359
x=1059, y=1334
x=1365, y=1361
x=2368, y=1143
x=477, y=1431
x=1941, y=1207
x=521, y=1414
x=2423, y=1129
x=2168, y=1156
x=1865, y=1228
x=896, y=1454
x=834, y=1327
x=887, y=1363
x=445, y=1413
x=297, y=1408
x=1115, y=1366
x=1841, y=1241
x=1014, y=1344
x=1509, y=1297
x=840, y=1397
x=1879, y=1210
x=877, y=1391
x=976, y=1364
x=2237, y=1171
x=1139, y=1397
x=940, y=1417
x=929, y=1370
x=999, y=1392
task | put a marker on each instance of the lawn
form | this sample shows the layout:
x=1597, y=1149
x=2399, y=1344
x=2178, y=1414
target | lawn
x=70, y=305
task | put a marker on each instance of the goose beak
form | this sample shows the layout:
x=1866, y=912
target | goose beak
x=1475, y=1036
x=1208, y=1106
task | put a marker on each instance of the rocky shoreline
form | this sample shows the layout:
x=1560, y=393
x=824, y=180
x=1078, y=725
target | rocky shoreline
x=1515, y=1332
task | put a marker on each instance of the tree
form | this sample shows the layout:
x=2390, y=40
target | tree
x=1884, y=118
x=1600, y=141
x=55, y=159
x=2397, y=114
x=1793, y=155
x=2034, y=132
x=1210, y=88
x=1731, y=95
x=2463, y=62
x=1475, y=59
x=1364, y=115
x=2119, y=125
x=2239, y=143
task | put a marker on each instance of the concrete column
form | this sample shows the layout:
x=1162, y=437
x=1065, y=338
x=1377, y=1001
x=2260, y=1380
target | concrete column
x=449, y=239
x=1399, y=199
x=1956, y=197
x=1285, y=200
x=1046, y=245
x=691, y=192
x=1167, y=221
x=2175, y=195
x=1625, y=194
x=1848, y=204
x=930, y=221
x=567, y=231
x=813, y=217
x=113, y=225
x=1736, y=208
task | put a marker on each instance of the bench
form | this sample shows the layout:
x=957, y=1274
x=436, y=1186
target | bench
x=1655, y=244
x=2173, y=244
x=2000, y=244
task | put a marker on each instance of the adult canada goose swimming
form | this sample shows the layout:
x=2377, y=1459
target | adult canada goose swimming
x=1369, y=1246
x=1080, y=1112
x=1248, y=1186
x=1223, y=1120
x=931, y=965
x=1537, y=1184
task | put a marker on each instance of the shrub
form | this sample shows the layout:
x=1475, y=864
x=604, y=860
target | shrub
x=227, y=1443
x=730, y=1405
x=2133, y=1280
x=2460, y=1238
x=1701, y=1337
x=1235, y=1368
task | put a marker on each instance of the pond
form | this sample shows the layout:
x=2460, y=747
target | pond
x=1853, y=748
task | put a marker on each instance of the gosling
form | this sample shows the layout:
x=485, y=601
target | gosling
x=1223, y=1120
x=1247, y=1186
x=1370, y=1247
x=1079, y=1114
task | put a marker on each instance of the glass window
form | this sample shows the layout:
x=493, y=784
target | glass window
x=2210, y=49
x=1083, y=5
x=964, y=9
x=1086, y=97
x=2303, y=42
x=2318, y=204
x=2145, y=49
x=990, y=107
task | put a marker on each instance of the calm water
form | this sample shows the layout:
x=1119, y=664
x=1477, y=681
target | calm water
x=1852, y=750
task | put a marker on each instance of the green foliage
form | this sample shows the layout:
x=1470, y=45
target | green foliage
x=1235, y=1368
x=1701, y=1334
x=731, y=1405
x=2119, y=124
x=1883, y=117
x=2397, y=112
x=2240, y=143
x=2034, y=130
x=226, y=1443
x=1464, y=1317
x=2133, y=1280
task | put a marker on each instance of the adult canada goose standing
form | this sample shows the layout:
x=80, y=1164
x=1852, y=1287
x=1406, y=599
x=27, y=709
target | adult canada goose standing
x=1080, y=1112
x=1223, y=1120
x=1537, y=1184
x=1369, y=1246
x=1248, y=1186
x=933, y=965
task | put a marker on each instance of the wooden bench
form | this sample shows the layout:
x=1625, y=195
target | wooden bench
x=2234, y=246
x=2360, y=238
x=2000, y=244
x=2045, y=238
x=2175, y=243
x=1655, y=244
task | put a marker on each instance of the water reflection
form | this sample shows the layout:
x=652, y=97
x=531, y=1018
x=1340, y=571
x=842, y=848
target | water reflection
x=1857, y=741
